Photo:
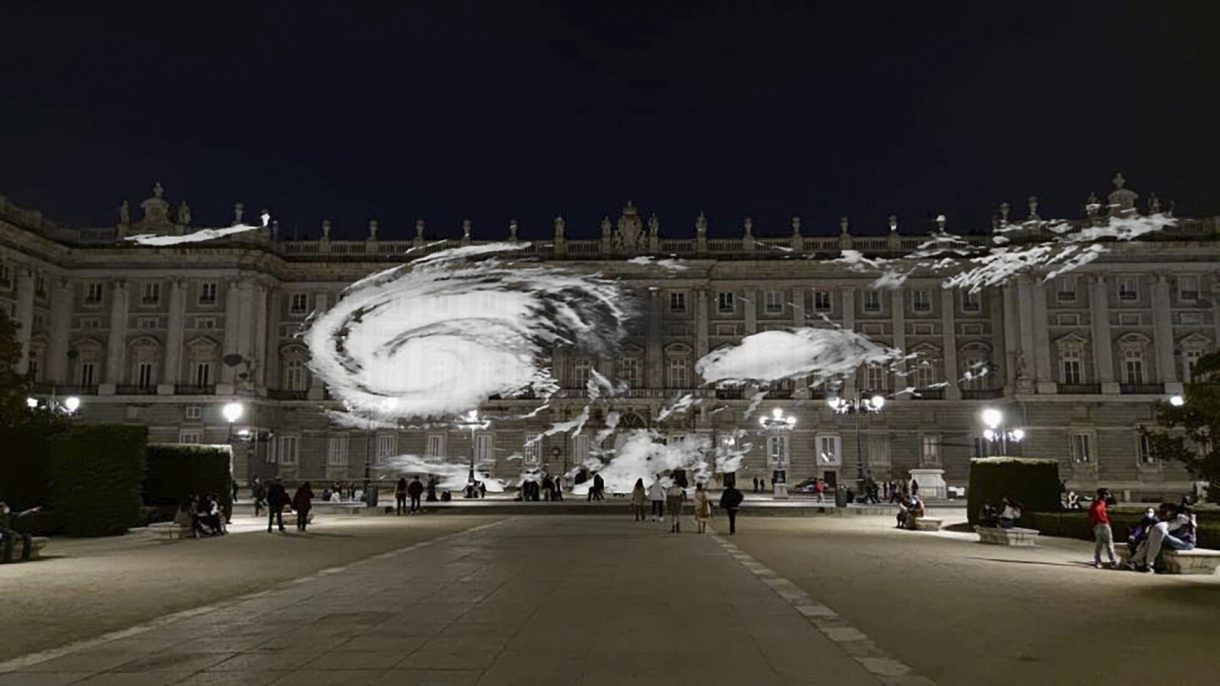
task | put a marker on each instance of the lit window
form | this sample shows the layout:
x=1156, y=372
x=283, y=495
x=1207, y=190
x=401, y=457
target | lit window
x=874, y=378
x=294, y=375
x=828, y=450
x=1143, y=449
x=484, y=448
x=677, y=373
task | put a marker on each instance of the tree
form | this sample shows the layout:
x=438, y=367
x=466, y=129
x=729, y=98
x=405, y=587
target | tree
x=1184, y=430
x=13, y=387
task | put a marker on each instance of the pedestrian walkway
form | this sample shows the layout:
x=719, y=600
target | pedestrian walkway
x=572, y=600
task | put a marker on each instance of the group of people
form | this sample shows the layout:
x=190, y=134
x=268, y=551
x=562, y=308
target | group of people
x=277, y=500
x=670, y=499
x=1171, y=525
x=413, y=491
x=597, y=491
x=10, y=536
x=909, y=510
x=1005, y=515
x=203, y=514
x=545, y=488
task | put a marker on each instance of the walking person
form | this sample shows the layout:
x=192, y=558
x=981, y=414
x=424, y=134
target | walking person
x=703, y=508
x=674, y=496
x=557, y=493
x=599, y=486
x=277, y=498
x=656, y=498
x=415, y=491
x=755, y=484
x=400, y=496
x=259, y=492
x=730, y=500
x=639, y=496
x=302, y=502
x=1103, y=536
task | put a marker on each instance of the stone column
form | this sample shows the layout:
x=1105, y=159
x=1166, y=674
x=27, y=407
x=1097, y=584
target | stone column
x=1103, y=342
x=898, y=317
x=1044, y=379
x=848, y=319
x=1028, y=355
x=25, y=316
x=1162, y=335
x=258, y=352
x=948, y=320
x=316, y=387
x=750, y=310
x=701, y=324
x=61, y=331
x=1011, y=316
x=652, y=351
x=173, y=339
x=232, y=334
x=796, y=296
x=271, y=372
x=116, y=344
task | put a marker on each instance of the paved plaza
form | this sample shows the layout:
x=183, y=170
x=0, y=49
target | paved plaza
x=599, y=600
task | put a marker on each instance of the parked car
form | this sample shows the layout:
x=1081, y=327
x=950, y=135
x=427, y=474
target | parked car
x=806, y=486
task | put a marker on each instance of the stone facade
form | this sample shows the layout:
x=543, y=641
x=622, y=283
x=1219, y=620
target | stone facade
x=154, y=335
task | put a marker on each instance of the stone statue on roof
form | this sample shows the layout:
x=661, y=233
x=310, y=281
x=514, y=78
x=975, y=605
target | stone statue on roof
x=629, y=226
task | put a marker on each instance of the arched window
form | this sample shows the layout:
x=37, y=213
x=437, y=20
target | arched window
x=1133, y=349
x=202, y=360
x=145, y=357
x=1071, y=359
x=975, y=372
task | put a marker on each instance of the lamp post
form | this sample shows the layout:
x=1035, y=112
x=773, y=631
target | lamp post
x=232, y=412
x=71, y=404
x=472, y=421
x=1177, y=400
x=776, y=424
x=857, y=407
x=996, y=432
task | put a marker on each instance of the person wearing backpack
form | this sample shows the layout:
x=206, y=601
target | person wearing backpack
x=730, y=500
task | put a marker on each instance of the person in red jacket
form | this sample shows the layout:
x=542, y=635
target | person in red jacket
x=1103, y=536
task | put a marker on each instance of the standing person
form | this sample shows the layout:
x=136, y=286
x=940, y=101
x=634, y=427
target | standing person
x=416, y=489
x=639, y=496
x=277, y=498
x=9, y=536
x=259, y=492
x=400, y=496
x=755, y=480
x=599, y=486
x=431, y=488
x=730, y=500
x=703, y=508
x=656, y=498
x=674, y=495
x=914, y=487
x=819, y=487
x=548, y=486
x=1103, y=536
x=302, y=502
x=557, y=493
x=236, y=488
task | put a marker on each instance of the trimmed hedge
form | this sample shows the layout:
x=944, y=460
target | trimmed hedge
x=24, y=475
x=1075, y=524
x=176, y=470
x=96, y=471
x=1033, y=483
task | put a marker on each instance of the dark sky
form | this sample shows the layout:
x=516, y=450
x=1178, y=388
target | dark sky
x=499, y=110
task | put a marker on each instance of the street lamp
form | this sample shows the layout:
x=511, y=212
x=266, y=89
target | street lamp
x=997, y=433
x=1177, y=400
x=31, y=403
x=71, y=404
x=857, y=407
x=472, y=421
x=777, y=422
x=232, y=412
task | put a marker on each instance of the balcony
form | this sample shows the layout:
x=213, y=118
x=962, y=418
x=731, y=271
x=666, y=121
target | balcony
x=982, y=393
x=1080, y=388
x=135, y=389
x=285, y=394
x=192, y=389
x=46, y=389
x=1141, y=388
x=929, y=394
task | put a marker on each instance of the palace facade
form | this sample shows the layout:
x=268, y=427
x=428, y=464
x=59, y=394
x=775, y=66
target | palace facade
x=166, y=336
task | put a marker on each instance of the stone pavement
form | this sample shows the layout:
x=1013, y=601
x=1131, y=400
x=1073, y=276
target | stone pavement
x=589, y=600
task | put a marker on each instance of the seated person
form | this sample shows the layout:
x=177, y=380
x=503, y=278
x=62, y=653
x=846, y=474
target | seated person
x=988, y=515
x=908, y=511
x=1175, y=530
x=1139, y=532
x=9, y=536
x=1010, y=514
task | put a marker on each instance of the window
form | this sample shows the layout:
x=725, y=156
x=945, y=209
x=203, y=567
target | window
x=299, y=303
x=629, y=370
x=580, y=449
x=874, y=378
x=1070, y=368
x=925, y=373
x=724, y=302
x=1190, y=358
x=88, y=370
x=147, y=323
x=1128, y=288
x=929, y=453
x=677, y=373
x=40, y=288
x=484, y=448
x=207, y=293
x=34, y=371
x=203, y=374
x=922, y=299
x=970, y=301
x=1066, y=290
x=205, y=322
x=435, y=446
x=336, y=451
x=90, y=323
x=677, y=302
x=531, y=452
x=190, y=436
x=1082, y=450
x=288, y=450
x=1133, y=366
x=828, y=450
x=1188, y=288
x=777, y=450
x=1067, y=319
x=93, y=293
x=152, y=293
x=6, y=276
x=821, y=301
x=773, y=302
x=974, y=371
x=580, y=372
x=145, y=374
x=872, y=301
x=294, y=375
x=194, y=411
x=1143, y=449
x=387, y=447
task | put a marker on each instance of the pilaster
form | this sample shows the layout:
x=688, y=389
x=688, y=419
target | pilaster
x=948, y=320
x=232, y=340
x=171, y=375
x=1103, y=342
x=317, y=389
x=652, y=352
x=117, y=342
x=1162, y=332
x=701, y=324
x=750, y=310
x=25, y=316
x=848, y=318
x=61, y=331
x=898, y=319
x=1045, y=381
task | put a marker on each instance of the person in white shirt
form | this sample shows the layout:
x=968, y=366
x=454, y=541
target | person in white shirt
x=656, y=497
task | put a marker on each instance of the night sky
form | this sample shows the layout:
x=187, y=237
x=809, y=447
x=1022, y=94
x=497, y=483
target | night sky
x=500, y=110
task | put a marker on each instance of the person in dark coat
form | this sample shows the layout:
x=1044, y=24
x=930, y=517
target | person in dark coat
x=259, y=492
x=431, y=489
x=416, y=489
x=302, y=502
x=277, y=498
x=400, y=496
x=599, y=487
x=730, y=500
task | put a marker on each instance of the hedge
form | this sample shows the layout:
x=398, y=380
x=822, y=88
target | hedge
x=96, y=472
x=1033, y=483
x=1075, y=524
x=24, y=476
x=177, y=470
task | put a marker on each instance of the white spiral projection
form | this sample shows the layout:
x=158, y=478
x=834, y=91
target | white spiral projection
x=437, y=337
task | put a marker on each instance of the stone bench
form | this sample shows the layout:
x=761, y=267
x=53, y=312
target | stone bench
x=168, y=531
x=37, y=543
x=1016, y=536
x=1197, y=561
x=927, y=524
